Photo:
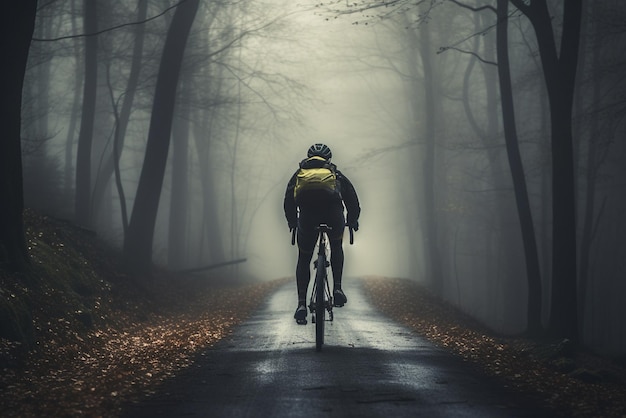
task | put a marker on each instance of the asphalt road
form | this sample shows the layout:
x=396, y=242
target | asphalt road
x=369, y=367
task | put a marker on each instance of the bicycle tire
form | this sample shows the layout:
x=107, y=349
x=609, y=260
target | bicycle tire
x=319, y=300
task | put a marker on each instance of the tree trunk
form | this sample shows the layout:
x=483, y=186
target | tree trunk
x=415, y=111
x=110, y=161
x=431, y=223
x=177, y=236
x=560, y=76
x=41, y=91
x=75, y=111
x=210, y=232
x=593, y=167
x=85, y=137
x=16, y=30
x=115, y=159
x=138, y=241
x=531, y=257
x=503, y=205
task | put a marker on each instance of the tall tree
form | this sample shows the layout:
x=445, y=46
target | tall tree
x=82, y=212
x=74, y=112
x=177, y=236
x=531, y=256
x=491, y=136
x=17, y=23
x=423, y=100
x=139, y=239
x=430, y=157
x=559, y=71
x=111, y=159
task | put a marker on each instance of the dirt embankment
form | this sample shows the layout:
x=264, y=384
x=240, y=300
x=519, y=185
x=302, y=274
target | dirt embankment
x=93, y=337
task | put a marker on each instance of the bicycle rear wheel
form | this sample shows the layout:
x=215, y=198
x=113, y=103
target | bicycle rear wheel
x=320, y=305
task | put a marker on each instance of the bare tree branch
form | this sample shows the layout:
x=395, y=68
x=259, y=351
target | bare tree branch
x=445, y=48
x=83, y=35
x=474, y=9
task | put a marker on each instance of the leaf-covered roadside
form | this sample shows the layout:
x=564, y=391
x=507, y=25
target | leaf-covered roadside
x=573, y=383
x=101, y=338
x=91, y=375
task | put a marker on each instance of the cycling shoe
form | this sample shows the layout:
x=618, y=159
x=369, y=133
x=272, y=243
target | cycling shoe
x=339, y=298
x=300, y=315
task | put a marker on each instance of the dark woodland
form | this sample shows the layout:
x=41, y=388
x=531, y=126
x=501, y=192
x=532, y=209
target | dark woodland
x=147, y=146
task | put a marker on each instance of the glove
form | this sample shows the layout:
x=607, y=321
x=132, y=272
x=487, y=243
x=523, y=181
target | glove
x=354, y=225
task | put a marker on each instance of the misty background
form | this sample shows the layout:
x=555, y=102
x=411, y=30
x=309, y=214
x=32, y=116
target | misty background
x=406, y=96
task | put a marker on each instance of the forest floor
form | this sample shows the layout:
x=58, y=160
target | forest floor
x=98, y=338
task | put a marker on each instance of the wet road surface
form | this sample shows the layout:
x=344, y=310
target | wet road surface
x=368, y=367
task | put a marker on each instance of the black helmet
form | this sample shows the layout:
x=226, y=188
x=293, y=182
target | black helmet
x=320, y=150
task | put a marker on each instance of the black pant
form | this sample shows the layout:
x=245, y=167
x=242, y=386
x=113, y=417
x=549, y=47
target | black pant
x=309, y=219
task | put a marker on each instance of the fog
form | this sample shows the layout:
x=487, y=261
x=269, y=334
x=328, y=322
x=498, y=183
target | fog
x=408, y=99
x=352, y=119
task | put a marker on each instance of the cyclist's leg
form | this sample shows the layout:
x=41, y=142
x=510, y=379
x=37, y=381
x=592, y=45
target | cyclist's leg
x=336, y=261
x=306, y=243
x=303, y=274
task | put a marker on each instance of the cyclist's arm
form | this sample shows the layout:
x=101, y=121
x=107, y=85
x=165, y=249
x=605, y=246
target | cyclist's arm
x=350, y=199
x=289, y=203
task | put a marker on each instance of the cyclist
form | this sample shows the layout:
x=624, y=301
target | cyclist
x=307, y=205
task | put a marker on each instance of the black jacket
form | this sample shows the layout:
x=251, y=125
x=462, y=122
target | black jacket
x=347, y=193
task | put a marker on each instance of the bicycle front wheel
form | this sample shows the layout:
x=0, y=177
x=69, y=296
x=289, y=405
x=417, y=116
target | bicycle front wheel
x=319, y=302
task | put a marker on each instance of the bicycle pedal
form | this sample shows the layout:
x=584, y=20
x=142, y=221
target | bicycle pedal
x=338, y=305
x=301, y=321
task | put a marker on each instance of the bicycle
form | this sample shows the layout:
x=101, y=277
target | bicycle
x=321, y=301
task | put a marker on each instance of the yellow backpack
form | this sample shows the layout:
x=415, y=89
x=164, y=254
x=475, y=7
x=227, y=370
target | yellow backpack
x=315, y=174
